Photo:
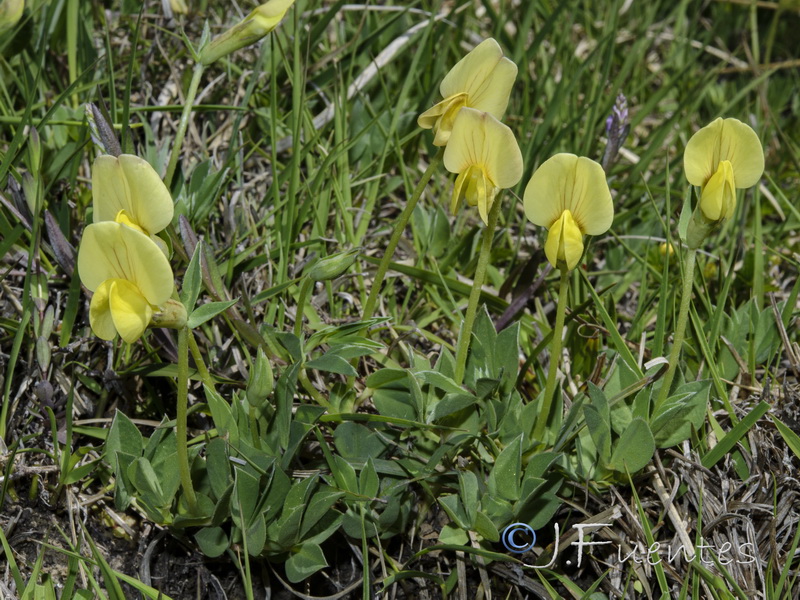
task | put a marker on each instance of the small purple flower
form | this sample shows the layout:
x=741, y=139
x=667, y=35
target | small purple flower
x=617, y=128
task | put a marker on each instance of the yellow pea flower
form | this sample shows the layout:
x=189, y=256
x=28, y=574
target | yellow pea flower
x=129, y=275
x=721, y=157
x=569, y=195
x=481, y=80
x=485, y=154
x=126, y=189
x=10, y=13
x=253, y=27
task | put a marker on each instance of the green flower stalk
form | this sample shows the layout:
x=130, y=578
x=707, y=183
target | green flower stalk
x=719, y=158
x=569, y=195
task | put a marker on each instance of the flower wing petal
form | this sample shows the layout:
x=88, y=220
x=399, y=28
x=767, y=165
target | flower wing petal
x=100, y=312
x=149, y=268
x=151, y=202
x=129, y=309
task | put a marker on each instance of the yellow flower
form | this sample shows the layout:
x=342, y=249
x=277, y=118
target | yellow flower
x=721, y=157
x=126, y=189
x=481, y=80
x=569, y=195
x=130, y=278
x=10, y=13
x=485, y=154
x=249, y=30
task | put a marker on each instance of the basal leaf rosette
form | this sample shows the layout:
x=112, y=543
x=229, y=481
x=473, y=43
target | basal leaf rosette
x=485, y=154
x=569, y=196
x=129, y=275
x=722, y=157
x=126, y=189
x=481, y=80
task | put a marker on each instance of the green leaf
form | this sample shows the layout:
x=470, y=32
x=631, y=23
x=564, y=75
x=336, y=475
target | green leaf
x=439, y=381
x=192, y=279
x=450, y=404
x=332, y=363
x=634, y=449
x=246, y=493
x=369, y=483
x=790, y=437
x=146, y=481
x=304, y=562
x=123, y=436
x=213, y=541
x=683, y=411
x=222, y=415
x=506, y=474
x=204, y=312
x=454, y=535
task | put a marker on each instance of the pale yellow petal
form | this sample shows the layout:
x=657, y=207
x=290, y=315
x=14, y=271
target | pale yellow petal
x=130, y=184
x=568, y=182
x=501, y=154
x=151, y=203
x=480, y=139
x=100, y=313
x=564, y=245
x=740, y=145
x=129, y=309
x=110, y=192
x=476, y=73
x=718, y=198
x=458, y=190
x=724, y=139
x=493, y=95
x=111, y=250
x=591, y=204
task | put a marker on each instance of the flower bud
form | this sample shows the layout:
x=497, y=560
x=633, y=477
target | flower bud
x=261, y=381
x=252, y=28
x=332, y=266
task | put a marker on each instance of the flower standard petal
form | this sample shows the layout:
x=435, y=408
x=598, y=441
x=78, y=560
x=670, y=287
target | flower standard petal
x=130, y=310
x=100, y=312
x=485, y=75
x=574, y=183
x=130, y=184
x=591, y=204
x=724, y=139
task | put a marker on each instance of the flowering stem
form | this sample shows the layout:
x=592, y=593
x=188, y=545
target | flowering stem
x=305, y=287
x=399, y=227
x=180, y=418
x=183, y=124
x=683, y=315
x=555, y=357
x=199, y=363
x=465, y=336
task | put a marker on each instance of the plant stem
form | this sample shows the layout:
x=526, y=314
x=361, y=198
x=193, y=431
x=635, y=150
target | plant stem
x=555, y=357
x=183, y=124
x=201, y=365
x=305, y=287
x=180, y=418
x=465, y=336
x=399, y=227
x=683, y=315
